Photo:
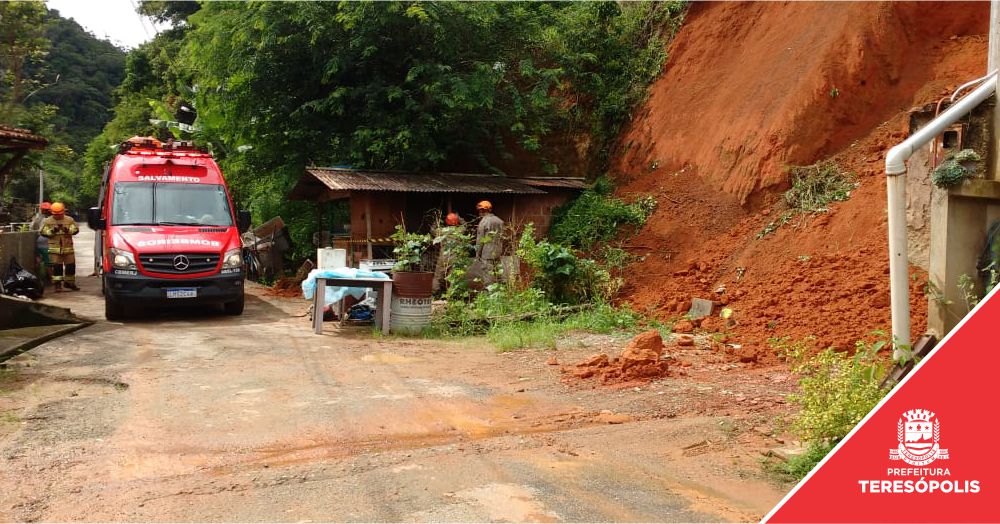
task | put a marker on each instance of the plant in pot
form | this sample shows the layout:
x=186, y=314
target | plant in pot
x=410, y=277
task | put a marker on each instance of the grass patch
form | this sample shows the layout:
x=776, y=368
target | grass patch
x=543, y=332
x=799, y=466
x=813, y=189
x=7, y=376
x=9, y=417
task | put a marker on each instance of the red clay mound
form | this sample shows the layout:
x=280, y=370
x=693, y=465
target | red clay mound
x=639, y=362
x=752, y=88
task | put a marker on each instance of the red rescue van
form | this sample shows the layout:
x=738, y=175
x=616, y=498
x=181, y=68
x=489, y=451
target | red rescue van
x=167, y=231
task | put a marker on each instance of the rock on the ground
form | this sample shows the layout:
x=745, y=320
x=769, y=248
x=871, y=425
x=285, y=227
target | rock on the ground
x=683, y=326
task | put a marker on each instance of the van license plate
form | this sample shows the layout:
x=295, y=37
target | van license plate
x=182, y=292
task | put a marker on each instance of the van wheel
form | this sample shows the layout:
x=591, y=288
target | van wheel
x=113, y=309
x=235, y=307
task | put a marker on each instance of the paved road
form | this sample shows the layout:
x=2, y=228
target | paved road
x=194, y=416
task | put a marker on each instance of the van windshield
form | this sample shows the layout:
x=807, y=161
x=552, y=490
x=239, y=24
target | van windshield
x=170, y=204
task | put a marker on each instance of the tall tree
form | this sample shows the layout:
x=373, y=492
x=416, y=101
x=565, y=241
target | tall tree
x=22, y=32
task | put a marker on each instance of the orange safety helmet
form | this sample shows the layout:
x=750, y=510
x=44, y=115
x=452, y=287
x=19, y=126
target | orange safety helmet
x=45, y=206
x=58, y=208
x=451, y=219
x=485, y=205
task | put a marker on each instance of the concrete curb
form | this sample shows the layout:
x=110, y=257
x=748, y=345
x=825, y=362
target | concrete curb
x=57, y=331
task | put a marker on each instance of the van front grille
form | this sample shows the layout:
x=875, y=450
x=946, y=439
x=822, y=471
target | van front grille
x=179, y=263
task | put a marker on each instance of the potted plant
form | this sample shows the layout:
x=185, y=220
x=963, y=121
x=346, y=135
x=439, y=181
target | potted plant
x=410, y=278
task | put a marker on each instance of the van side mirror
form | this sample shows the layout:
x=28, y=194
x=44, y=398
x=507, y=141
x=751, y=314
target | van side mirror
x=94, y=219
x=243, y=221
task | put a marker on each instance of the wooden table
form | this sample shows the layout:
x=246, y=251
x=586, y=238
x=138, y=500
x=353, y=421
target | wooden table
x=383, y=286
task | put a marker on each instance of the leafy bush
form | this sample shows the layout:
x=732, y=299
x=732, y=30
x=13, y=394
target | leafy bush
x=956, y=168
x=456, y=248
x=409, y=249
x=564, y=277
x=837, y=391
x=596, y=216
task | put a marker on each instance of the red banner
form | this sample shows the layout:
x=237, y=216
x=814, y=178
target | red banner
x=926, y=452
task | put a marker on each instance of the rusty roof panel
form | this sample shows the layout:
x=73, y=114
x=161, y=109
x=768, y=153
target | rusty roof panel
x=566, y=183
x=15, y=136
x=338, y=179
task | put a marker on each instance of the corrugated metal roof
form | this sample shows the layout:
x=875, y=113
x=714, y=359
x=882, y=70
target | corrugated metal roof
x=14, y=136
x=339, y=179
x=568, y=183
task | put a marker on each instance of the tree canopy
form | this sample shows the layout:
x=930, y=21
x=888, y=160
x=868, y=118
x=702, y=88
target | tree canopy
x=526, y=88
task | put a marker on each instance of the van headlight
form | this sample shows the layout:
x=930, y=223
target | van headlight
x=233, y=259
x=121, y=259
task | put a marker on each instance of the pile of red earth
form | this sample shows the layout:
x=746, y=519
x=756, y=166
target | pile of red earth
x=288, y=287
x=638, y=363
x=738, y=103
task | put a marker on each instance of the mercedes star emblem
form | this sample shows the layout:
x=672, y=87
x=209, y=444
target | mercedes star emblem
x=181, y=263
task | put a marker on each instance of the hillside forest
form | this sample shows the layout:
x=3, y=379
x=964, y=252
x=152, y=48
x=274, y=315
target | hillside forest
x=270, y=87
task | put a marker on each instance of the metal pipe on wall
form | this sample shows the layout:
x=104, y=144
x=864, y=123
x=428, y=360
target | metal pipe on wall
x=895, y=170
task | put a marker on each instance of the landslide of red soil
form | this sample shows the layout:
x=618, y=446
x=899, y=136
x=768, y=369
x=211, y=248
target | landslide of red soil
x=749, y=89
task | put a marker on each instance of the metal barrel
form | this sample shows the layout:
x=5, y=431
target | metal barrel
x=409, y=315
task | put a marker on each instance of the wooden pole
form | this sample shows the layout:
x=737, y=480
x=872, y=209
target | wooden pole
x=993, y=62
x=368, y=223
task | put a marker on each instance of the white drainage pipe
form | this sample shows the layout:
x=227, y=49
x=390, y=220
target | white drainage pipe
x=895, y=170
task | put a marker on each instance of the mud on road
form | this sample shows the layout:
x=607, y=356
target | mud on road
x=195, y=416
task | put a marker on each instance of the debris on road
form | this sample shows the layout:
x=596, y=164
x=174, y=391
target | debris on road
x=640, y=361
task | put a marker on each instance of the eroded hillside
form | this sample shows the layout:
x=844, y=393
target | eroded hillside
x=750, y=89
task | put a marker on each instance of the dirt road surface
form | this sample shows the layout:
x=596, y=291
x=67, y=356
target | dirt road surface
x=195, y=416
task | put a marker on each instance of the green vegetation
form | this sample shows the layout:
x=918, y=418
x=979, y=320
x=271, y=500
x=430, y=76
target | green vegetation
x=397, y=85
x=409, y=249
x=563, y=276
x=956, y=168
x=543, y=332
x=560, y=292
x=799, y=466
x=837, y=390
x=596, y=216
x=813, y=189
x=58, y=82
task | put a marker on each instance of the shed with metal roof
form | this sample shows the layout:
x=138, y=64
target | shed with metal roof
x=360, y=208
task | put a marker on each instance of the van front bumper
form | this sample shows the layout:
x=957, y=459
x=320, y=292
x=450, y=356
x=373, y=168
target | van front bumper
x=142, y=289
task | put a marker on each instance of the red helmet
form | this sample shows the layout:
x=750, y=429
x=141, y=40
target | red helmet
x=451, y=219
x=45, y=206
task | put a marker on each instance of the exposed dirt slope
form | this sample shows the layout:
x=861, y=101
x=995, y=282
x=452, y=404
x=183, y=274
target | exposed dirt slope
x=752, y=88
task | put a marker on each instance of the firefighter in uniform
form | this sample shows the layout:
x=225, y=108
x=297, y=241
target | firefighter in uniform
x=59, y=229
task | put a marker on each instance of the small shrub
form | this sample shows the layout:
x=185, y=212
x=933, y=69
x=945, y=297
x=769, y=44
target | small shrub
x=596, y=216
x=456, y=254
x=837, y=389
x=799, y=466
x=815, y=187
x=956, y=168
x=564, y=277
x=409, y=249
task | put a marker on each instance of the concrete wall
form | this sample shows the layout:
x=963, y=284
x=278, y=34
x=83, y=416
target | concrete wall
x=538, y=209
x=20, y=246
x=918, y=207
x=960, y=217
